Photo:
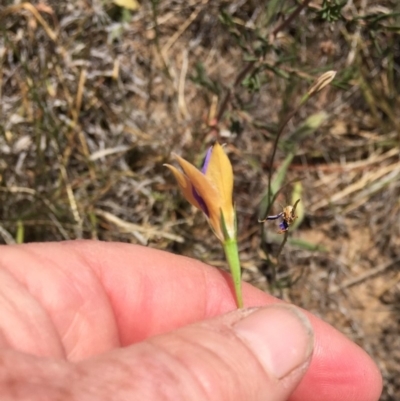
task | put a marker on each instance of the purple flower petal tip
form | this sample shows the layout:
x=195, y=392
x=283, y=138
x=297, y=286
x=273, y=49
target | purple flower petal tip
x=283, y=225
x=207, y=160
x=277, y=216
x=201, y=202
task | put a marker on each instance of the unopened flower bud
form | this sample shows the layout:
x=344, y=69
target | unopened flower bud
x=321, y=82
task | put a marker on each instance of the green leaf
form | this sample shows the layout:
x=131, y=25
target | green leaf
x=296, y=194
x=306, y=245
x=307, y=128
x=20, y=235
x=201, y=78
x=280, y=175
x=276, y=184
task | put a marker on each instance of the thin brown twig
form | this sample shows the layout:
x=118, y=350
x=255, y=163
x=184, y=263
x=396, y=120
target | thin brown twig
x=250, y=65
x=365, y=276
x=274, y=149
x=291, y=17
x=183, y=28
x=286, y=234
x=29, y=7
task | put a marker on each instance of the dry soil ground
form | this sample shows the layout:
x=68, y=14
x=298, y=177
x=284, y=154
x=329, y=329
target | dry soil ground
x=94, y=98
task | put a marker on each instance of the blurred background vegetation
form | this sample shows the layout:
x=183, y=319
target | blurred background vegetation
x=96, y=94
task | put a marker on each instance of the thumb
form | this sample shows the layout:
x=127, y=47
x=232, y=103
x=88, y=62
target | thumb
x=244, y=355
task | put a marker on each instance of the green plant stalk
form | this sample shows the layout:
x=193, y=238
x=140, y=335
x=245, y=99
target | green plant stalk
x=19, y=238
x=232, y=256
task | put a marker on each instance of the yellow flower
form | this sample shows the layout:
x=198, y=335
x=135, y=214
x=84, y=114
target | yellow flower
x=210, y=190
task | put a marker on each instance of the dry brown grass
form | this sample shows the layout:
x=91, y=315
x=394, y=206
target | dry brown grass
x=94, y=99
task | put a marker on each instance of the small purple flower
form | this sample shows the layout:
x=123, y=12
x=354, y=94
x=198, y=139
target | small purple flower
x=288, y=216
x=283, y=225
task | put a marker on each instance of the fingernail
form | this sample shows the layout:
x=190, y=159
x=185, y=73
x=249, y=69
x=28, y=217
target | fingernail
x=280, y=336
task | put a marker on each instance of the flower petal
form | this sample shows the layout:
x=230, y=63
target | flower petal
x=274, y=217
x=207, y=191
x=201, y=183
x=283, y=226
x=220, y=173
x=207, y=160
x=185, y=186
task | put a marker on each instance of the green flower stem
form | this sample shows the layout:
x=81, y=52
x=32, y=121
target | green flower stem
x=232, y=256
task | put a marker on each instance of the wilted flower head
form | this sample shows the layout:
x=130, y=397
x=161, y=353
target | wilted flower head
x=210, y=189
x=322, y=81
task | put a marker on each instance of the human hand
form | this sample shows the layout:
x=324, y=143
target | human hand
x=97, y=321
